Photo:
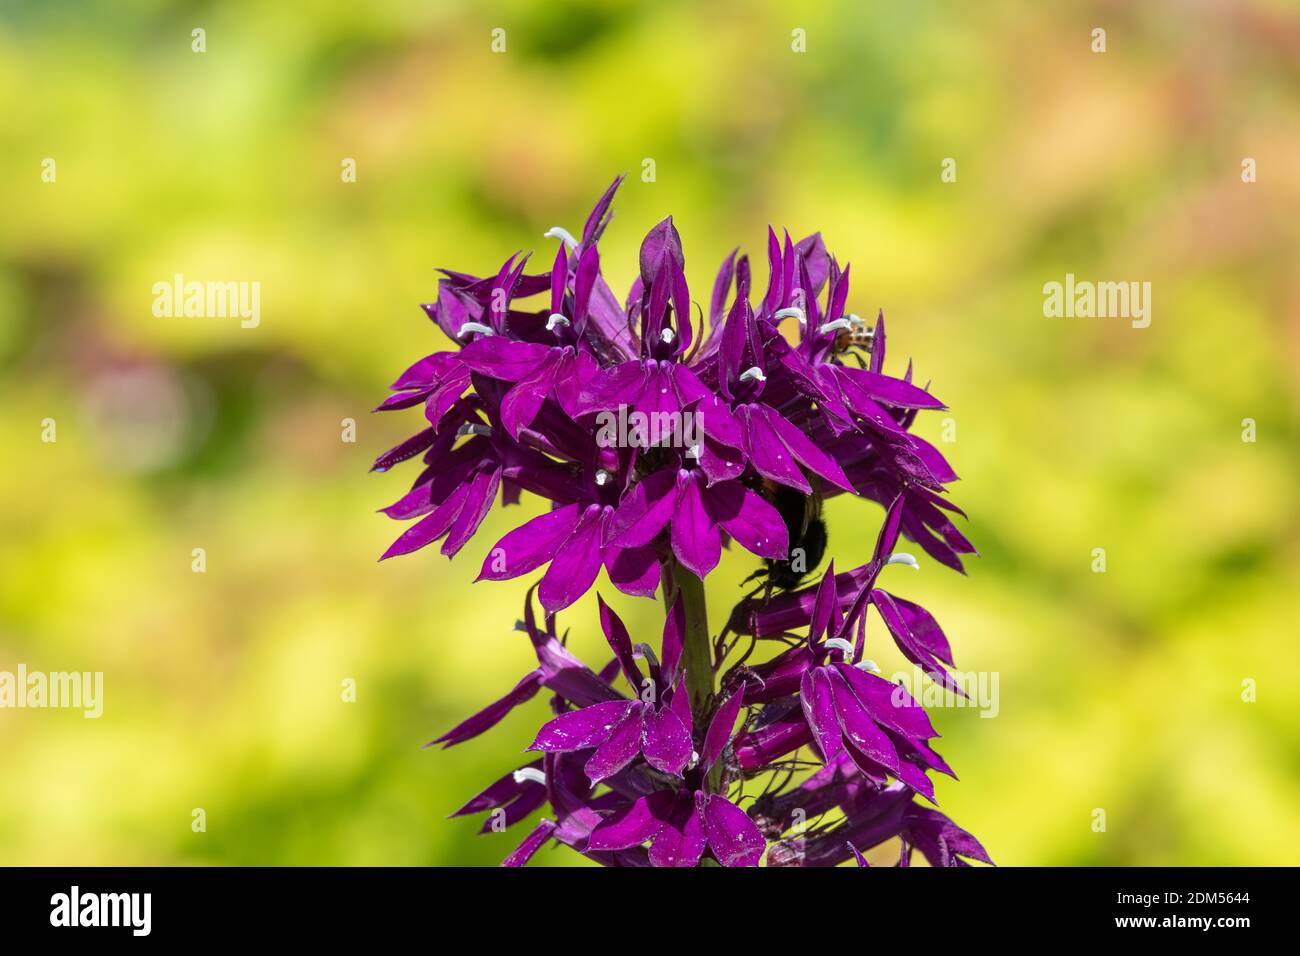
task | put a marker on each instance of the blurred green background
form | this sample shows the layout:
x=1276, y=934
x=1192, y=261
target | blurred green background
x=1119, y=690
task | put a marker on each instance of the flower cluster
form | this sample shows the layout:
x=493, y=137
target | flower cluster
x=689, y=753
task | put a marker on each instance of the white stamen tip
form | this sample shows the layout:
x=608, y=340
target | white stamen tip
x=555, y=321
x=524, y=774
x=839, y=643
x=559, y=232
x=695, y=758
x=868, y=665
x=668, y=335
x=693, y=453
x=473, y=428
x=834, y=326
x=646, y=653
x=753, y=372
x=602, y=476
x=794, y=312
x=902, y=557
x=474, y=327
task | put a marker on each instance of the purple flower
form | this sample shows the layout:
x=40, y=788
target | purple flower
x=680, y=824
x=699, y=514
x=700, y=754
x=619, y=730
x=572, y=538
x=540, y=372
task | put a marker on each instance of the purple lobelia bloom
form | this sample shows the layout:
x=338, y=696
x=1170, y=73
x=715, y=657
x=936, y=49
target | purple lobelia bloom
x=659, y=729
x=696, y=748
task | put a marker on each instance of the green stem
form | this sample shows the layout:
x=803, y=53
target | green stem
x=697, y=650
x=697, y=654
x=697, y=646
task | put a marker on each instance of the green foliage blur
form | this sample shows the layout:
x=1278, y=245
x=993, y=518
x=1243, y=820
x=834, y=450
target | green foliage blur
x=1120, y=690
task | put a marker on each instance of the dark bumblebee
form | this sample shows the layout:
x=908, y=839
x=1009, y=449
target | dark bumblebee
x=802, y=514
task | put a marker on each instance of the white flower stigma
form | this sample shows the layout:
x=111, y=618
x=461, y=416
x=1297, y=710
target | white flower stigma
x=602, y=476
x=555, y=321
x=559, y=232
x=868, y=665
x=646, y=653
x=840, y=644
x=794, y=312
x=668, y=335
x=473, y=428
x=474, y=327
x=753, y=372
x=902, y=557
x=834, y=326
x=524, y=774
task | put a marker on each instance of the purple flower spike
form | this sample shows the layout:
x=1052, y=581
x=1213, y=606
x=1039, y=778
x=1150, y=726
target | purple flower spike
x=657, y=441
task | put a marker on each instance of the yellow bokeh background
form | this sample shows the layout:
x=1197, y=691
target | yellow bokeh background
x=1120, y=691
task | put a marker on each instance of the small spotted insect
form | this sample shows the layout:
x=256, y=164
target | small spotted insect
x=856, y=339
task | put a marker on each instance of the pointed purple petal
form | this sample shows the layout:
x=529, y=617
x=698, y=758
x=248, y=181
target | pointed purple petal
x=714, y=416
x=889, y=704
x=407, y=449
x=858, y=727
x=635, y=824
x=479, y=497
x=596, y=218
x=431, y=527
x=619, y=749
x=772, y=300
x=584, y=281
x=878, y=343
x=522, y=403
x=681, y=703
x=645, y=510
x=502, y=358
x=696, y=540
x=940, y=839
x=620, y=642
x=613, y=387
x=912, y=649
x=530, y=545
x=498, y=793
x=633, y=570
x=887, y=390
x=721, y=727
x=754, y=523
x=925, y=629
x=767, y=453
x=818, y=704
x=721, y=287
x=532, y=843
x=574, y=568
x=733, y=837
x=803, y=449
x=585, y=728
x=824, y=606
x=888, y=536
x=661, y=242
x=681, y=842
x=493, y=713
x=671, y=648
x=666, y=743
